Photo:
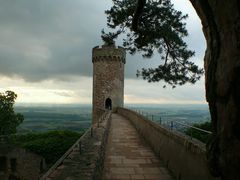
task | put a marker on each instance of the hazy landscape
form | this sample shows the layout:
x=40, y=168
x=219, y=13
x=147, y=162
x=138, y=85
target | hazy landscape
x=42, y=118
x=53, y=117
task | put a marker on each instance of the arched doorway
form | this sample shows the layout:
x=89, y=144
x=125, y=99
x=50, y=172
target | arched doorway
x=108, y=104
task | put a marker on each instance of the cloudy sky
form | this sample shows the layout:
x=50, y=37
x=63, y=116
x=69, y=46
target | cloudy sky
x=45, y=53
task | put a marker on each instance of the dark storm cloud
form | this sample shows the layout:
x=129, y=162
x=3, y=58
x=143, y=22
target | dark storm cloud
x=49, y=39
x=53, y=39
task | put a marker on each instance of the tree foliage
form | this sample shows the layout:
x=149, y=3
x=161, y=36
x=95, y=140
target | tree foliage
x=50, y=145
x=154, y=26
x=9, y=120
x=202, y=136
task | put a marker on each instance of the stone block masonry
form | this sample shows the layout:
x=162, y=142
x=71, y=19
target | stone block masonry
x=84, y=160
x=108, y=78
x=183, y=156
x=128, y=156
x=19, y=163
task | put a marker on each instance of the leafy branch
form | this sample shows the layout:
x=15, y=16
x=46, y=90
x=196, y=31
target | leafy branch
x=152, y=26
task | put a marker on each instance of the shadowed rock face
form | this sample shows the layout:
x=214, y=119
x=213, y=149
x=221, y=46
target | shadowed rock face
x=221, y=26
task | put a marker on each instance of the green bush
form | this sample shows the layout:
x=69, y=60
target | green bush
x=50, y=145
x=202, y=136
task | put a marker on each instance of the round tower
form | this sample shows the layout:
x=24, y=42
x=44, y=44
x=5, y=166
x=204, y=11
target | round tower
x=108, y=78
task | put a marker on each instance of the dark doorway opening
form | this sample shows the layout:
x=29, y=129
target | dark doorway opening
x=13, y=163
x=3, y=163
x=108, y=104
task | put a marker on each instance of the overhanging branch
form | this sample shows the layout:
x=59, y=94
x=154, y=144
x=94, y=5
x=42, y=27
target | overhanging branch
x=137, y=14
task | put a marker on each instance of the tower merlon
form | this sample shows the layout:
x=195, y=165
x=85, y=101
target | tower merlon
x=108, y=53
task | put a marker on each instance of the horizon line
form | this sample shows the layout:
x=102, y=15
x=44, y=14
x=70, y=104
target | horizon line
x=89, y=104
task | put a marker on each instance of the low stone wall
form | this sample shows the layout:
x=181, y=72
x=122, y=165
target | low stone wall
x=185, y=158
x=99, y=163
x=85, y=159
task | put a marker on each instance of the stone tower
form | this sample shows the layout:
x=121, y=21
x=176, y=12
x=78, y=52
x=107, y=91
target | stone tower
x=108, y=78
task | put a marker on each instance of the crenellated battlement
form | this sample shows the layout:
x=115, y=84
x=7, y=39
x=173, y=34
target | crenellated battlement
x=108, y=53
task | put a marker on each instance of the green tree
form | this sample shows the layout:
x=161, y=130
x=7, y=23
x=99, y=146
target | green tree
x=159, y=28
x=9, y=120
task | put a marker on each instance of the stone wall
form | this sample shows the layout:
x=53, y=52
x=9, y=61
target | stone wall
x=85, y=159
x=108, y=78
x=183, y=156
x=19, y=163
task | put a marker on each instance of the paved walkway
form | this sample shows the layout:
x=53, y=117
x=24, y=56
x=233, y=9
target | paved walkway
x=128, y=156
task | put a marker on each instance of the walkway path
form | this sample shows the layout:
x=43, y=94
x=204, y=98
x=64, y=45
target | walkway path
x=128, y=156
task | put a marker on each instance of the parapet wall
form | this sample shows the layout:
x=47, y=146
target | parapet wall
x=184, y=157
x=108, y=53
x=85, y=159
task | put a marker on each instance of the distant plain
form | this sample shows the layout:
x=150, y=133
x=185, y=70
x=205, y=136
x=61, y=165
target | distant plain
x=42, y=118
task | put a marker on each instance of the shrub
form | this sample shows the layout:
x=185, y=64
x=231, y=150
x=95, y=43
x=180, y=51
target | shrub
x=202, y=136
